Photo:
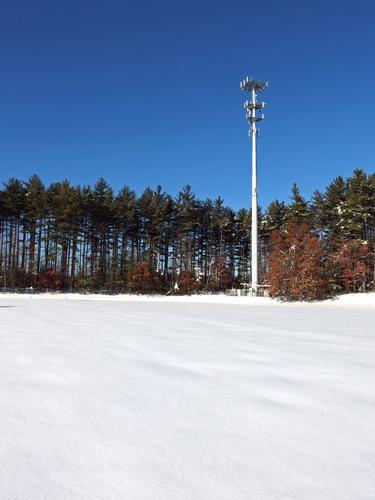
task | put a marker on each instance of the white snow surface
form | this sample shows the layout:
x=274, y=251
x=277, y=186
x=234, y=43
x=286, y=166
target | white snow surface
x=186, y=398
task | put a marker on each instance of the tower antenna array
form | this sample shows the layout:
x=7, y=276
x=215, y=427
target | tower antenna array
x=252, y=108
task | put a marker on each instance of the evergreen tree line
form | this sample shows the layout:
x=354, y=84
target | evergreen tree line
x=89, y=238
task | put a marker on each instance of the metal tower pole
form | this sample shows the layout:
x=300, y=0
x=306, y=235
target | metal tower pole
x=254, y=201
x=251, y=107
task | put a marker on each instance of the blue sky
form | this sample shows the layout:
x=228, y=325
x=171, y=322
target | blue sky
x=147, y=93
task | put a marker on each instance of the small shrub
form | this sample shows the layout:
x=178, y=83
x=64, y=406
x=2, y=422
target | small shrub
x=144, y=280
x=221, y=278
x=188, y=282
x=51, y=280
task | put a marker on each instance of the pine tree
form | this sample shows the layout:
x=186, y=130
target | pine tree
x=186, y=220
x=242, y=238
x=298, y=211
x=358, y=207
x=335, y=197
x=35, y=212
x=14, y=199
x=102, y=219
x=127, y=224
x=319, y=214
x=275, y=217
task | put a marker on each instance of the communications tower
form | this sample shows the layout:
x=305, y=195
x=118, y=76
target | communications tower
x=252, y=108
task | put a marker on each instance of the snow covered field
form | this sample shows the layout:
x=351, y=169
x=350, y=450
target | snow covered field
x=204, y=398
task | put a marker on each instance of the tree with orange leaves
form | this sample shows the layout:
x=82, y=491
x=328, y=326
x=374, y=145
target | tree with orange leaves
x=296, y=269
x=350, y=265
x=143, y=279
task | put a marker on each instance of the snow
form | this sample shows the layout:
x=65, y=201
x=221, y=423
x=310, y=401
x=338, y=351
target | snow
x=183, y=398
x=350, y=299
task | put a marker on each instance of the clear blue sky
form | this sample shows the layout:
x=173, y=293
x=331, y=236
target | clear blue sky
x=147, y=93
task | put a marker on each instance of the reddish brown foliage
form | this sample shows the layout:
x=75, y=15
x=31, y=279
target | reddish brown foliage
x=51, y=280
x=188, y=282
x=350, y=265
x=221, y=278
x=296, y=268
x=143, y=280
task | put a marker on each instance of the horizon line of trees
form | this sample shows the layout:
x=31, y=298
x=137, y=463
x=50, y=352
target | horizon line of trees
x=90, y=238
